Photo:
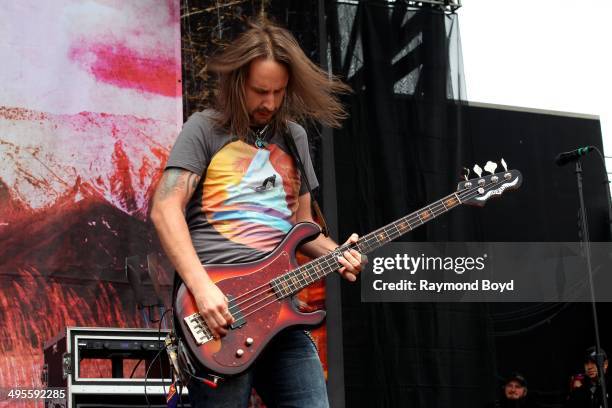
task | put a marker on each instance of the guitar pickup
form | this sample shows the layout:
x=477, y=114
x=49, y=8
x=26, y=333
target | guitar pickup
x=198, y=328
x=239, y=320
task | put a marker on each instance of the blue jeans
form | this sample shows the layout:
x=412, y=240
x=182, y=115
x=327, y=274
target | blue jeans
x=288, y=373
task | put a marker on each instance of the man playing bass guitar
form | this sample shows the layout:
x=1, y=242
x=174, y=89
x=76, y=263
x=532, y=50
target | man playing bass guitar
x=231, y=191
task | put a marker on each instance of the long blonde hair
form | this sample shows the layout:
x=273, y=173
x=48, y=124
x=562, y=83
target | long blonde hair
x=311, y=93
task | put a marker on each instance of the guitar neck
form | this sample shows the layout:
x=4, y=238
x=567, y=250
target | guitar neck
x=299, y=278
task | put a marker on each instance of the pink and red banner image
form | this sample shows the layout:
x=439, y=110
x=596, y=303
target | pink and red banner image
x=90, y=105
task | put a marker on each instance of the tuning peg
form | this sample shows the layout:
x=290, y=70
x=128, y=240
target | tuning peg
x=466, y=173
x=504, y=165
x=477, y=170
x=490, y=167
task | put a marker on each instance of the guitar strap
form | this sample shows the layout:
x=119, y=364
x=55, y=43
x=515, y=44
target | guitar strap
x=315, y=205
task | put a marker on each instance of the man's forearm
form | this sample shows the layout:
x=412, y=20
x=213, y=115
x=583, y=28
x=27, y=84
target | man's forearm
x=176, y=187
x=320, y=246
x=174, y=235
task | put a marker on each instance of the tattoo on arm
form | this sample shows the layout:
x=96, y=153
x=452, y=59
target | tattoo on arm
x=177, y=181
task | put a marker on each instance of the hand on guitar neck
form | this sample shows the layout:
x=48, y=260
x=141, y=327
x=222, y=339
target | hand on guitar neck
x=351, y=262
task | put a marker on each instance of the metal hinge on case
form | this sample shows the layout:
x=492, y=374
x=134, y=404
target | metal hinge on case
x=44, y=374
x=66, y=365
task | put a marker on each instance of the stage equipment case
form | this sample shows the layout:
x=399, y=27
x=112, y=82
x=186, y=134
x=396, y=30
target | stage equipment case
x=97, y=367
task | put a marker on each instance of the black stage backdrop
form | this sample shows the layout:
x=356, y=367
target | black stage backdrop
x=403, y=147
x=544, y=341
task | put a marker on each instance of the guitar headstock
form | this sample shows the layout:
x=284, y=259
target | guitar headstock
x=477, y=191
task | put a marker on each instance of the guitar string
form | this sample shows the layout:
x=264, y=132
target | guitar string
x=442, y=210
x=462, y=195
x=436, y=208
x=296, y=272
x=329, y=263
x=263, y=306
x=303, y=268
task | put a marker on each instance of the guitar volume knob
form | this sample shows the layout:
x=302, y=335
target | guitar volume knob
x=249, y=341
x=239, y=353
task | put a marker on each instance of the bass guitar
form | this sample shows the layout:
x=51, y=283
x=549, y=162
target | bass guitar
x=260, y=292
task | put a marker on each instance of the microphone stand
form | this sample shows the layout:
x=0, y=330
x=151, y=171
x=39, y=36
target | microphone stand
x=599, y=359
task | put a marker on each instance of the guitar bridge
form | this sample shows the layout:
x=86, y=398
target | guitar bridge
x=197, y=326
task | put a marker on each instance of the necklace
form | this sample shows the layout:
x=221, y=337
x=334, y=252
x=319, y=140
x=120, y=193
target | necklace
x=260, y=140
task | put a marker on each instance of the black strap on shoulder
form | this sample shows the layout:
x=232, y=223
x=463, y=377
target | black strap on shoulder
x=296, y=156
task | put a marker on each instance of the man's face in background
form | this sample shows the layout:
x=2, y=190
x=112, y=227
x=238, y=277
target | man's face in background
x=590, y=369
x=514, y=390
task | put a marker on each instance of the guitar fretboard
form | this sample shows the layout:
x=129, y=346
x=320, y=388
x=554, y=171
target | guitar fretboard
x=299, y=278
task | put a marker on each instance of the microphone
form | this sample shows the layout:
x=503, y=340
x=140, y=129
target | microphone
x=567, y=157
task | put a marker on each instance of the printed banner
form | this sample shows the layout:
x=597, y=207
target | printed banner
x=89, y=108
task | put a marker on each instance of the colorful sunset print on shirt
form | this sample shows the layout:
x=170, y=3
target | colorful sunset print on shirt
x=250, y=195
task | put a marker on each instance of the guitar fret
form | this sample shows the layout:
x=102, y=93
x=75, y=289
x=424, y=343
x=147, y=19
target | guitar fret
x=451, y=202
x=367, y=244
x=274, y=285
x=289, y=282
x=331, y=263
x=303, y=276
x=278, y=289
x=403, y=226
x=409, y=223
x=306, y=274
x=394, y=234
x=283, y=284
x=295, y=280
x=437, y=211
x=314, y=270
x=425, y=214
x=322, y=265
x=286, y=285
x=317, y=269
x=376, y=238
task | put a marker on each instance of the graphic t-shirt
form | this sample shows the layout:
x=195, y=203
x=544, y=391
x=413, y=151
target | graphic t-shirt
x=247, y=198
